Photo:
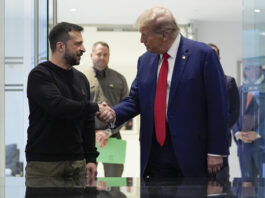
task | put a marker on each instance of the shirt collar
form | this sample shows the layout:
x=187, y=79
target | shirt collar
x=173, y=50
x=257, y=82
x=102, y=73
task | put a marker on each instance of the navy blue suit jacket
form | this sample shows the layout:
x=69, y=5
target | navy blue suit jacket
x=251, y=119
x=197, y=107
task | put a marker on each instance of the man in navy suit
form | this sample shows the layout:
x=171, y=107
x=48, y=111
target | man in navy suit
x=183, y=130
x=249, y=130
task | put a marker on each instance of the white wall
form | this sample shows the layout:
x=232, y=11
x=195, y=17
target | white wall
x=228, y=37
x=125, y=48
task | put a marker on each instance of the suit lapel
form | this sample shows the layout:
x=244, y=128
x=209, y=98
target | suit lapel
x=181, y=60
x=153, y=75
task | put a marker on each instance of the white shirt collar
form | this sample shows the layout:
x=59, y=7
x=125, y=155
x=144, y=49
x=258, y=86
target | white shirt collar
x=173, y=50
x=257, y=82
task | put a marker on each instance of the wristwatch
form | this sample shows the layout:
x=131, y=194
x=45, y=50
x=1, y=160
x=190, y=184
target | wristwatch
x=108, y=131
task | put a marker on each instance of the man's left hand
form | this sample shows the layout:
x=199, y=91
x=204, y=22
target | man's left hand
x=215, y=164
x=102, y=138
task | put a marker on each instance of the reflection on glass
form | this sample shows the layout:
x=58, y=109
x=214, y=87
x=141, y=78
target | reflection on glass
x=14, y=86
x=248, y=188
x=43, y=31
x=186, y=187
x=18, y=62
x=76, y=187
x=51, y=187
x=250, y=128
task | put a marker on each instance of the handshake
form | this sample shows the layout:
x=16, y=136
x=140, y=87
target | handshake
x=106, y=113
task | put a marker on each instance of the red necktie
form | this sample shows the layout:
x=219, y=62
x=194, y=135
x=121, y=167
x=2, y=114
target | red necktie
x=249, y=99
x=160, y=102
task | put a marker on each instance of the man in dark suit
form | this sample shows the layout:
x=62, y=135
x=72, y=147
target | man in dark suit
x=250, y=128
x=233, y=110
x=180, y=93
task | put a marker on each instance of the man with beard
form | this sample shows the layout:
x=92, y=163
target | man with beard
x=61, y=138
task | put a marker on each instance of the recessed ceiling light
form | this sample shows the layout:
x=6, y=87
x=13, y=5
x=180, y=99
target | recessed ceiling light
x=257, y=10
x=262, y=33
x=72, y=10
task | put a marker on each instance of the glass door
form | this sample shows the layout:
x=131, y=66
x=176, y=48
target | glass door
x=2, y=87
x=251, y=123
x=26, y=29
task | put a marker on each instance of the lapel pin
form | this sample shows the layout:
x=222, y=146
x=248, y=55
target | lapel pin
x=183, y=57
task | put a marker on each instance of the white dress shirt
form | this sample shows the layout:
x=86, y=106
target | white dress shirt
x=172, y=52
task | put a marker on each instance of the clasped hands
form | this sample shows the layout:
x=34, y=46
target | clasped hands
x=247, y=137
x=106, y=113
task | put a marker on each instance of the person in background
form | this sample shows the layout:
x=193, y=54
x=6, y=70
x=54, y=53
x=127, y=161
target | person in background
x=106, y=85
x=61, y=138
x=180, y=93
x=233, y=110
x=250, y=128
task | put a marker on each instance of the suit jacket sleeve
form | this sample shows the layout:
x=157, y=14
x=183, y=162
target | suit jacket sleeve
x=234, y=101
x=237, y=126
x=129, y=107
x=124, y=93
x=217, y=106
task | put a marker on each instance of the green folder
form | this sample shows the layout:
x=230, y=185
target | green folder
x=113, y=181
x=113, y=152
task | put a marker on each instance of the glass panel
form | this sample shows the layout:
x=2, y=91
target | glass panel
x=19, y=60
x=251, y=124
x=14, y=86
x=43, y=30
x=2, y=88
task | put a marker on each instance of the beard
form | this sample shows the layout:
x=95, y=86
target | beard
x=71, y=58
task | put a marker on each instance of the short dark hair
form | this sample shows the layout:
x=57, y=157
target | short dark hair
x=60, y=33
x=213, y=45
x=100, y=43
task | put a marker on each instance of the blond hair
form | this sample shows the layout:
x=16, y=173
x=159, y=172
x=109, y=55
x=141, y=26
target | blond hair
x=160, y=19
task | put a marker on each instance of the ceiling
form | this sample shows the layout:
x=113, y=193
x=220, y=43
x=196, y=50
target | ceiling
x=126, y=12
